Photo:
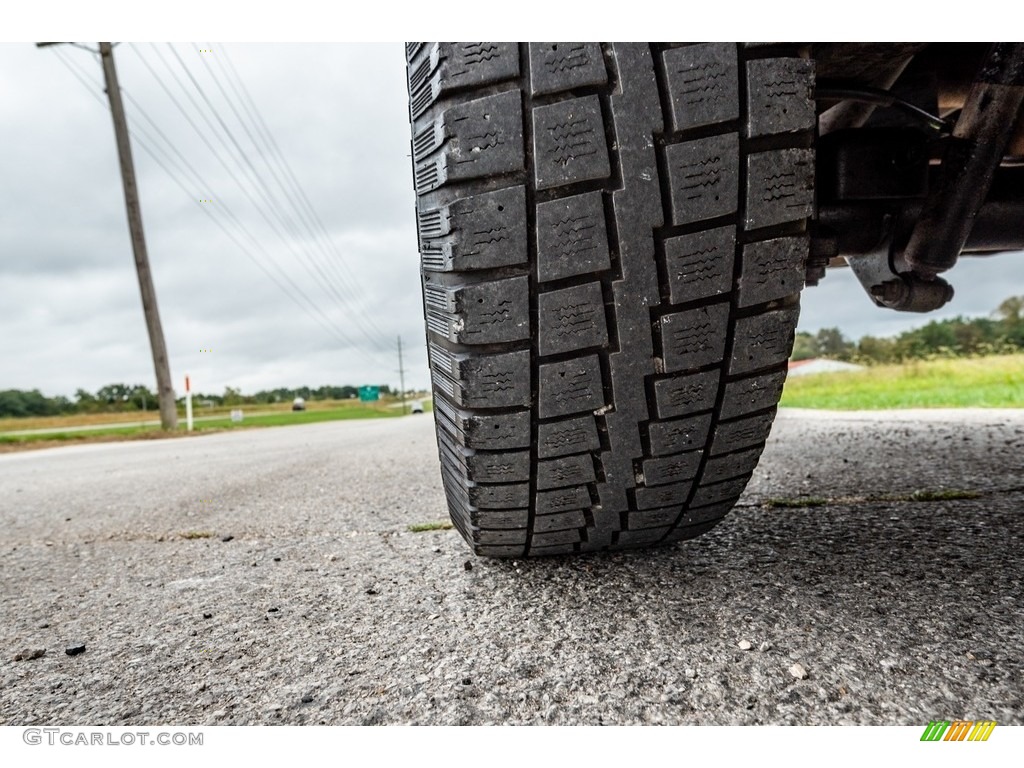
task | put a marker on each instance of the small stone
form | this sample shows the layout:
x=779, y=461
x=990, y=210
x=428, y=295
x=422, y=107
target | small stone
x=331, y=558
x=229, y=537
x=690, y=673
x=30, y=653
x=44, y=625
x=468, y=565
x=74, y=650
x=744, y=645
x=798, y=671
x=307, y=699
x=371, y=591
x=467, y=681
x=207, y=615
x=765, y=646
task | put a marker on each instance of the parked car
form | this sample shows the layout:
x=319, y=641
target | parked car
x=298, y=404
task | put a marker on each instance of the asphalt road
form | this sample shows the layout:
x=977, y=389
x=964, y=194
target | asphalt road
x=324, y=608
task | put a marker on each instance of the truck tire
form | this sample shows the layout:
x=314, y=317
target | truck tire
x=613, y=240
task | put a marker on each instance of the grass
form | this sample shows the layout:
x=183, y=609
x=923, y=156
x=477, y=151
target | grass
x=440, y=525
x=982, y=382
x=103, y=427
x=197, y=535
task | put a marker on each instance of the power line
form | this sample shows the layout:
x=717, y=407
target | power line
x=82, y=78
x=262, y=188
x=329, y=281
x=276, y=151
x=212, y=149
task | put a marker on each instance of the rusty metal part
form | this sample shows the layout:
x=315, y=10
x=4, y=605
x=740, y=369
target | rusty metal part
x=972, y=155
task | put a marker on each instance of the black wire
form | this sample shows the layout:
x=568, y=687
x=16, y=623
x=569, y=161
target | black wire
x=287, y=241
x=340, y=336
x=268, y=195
x=831, y=91
x=264, y=130
x=330, y=282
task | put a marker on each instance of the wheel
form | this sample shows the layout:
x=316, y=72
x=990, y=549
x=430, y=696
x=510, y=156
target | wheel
x=613, y=241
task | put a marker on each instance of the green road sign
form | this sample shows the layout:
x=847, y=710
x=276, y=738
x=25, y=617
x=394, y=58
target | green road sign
x=369, y=394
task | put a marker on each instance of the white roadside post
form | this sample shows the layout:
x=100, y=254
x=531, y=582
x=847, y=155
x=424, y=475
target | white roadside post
x=188, y=404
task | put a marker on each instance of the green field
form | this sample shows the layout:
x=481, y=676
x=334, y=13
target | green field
x=280, y=416
x=980, y=382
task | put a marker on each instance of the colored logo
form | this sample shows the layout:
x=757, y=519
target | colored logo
x=958, y=730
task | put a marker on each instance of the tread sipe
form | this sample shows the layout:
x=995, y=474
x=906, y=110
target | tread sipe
x=613, y=240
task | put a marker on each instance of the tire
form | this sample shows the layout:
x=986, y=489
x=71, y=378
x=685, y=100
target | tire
x=613, y=240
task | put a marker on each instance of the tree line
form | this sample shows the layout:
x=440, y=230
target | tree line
x=124, y=398
x=1001, y=333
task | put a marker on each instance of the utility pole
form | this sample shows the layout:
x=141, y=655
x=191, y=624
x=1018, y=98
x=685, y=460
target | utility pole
x=165, y=392
x=401, y=373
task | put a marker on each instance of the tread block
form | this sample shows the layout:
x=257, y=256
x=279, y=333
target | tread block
x=772, y=269
x=546, y=539
x=700, y=265
x=697, y=516
x=449, y=66
x=753, y=394
x=484, y=431
x=478, y=138
x=560, y=521
x=677, y=435
x=780, y=187
x=504, y=467
x=482, y=232
x=558, y=67
x=663, y=496
x=569, y=143
x=641, y=537
x=570, y=470
x=653, y=518
x=780, y=96
x=695, y=337
x=499, y=551
x=572, y=238
x=671, y=469
x=505, y=537
x=702, y=83
x=570, y=386
x=571, y=318
x=729, y=491
x=484, y=381
x=703, y=178
x=562, y=500
x=681, y=395
x=561, y=438
x=734, y=435
x=481, y=313
x=763, y=340
x=554, y=550
x=500, y=496
x=731, y=465
x=500, y=519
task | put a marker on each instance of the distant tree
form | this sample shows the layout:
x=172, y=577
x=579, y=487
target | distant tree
x=832, y=343
x=876, y=350
x=805, y=346
x=232, y=396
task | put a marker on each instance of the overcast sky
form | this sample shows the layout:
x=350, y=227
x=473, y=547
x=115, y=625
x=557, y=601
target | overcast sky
x=70, y=312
